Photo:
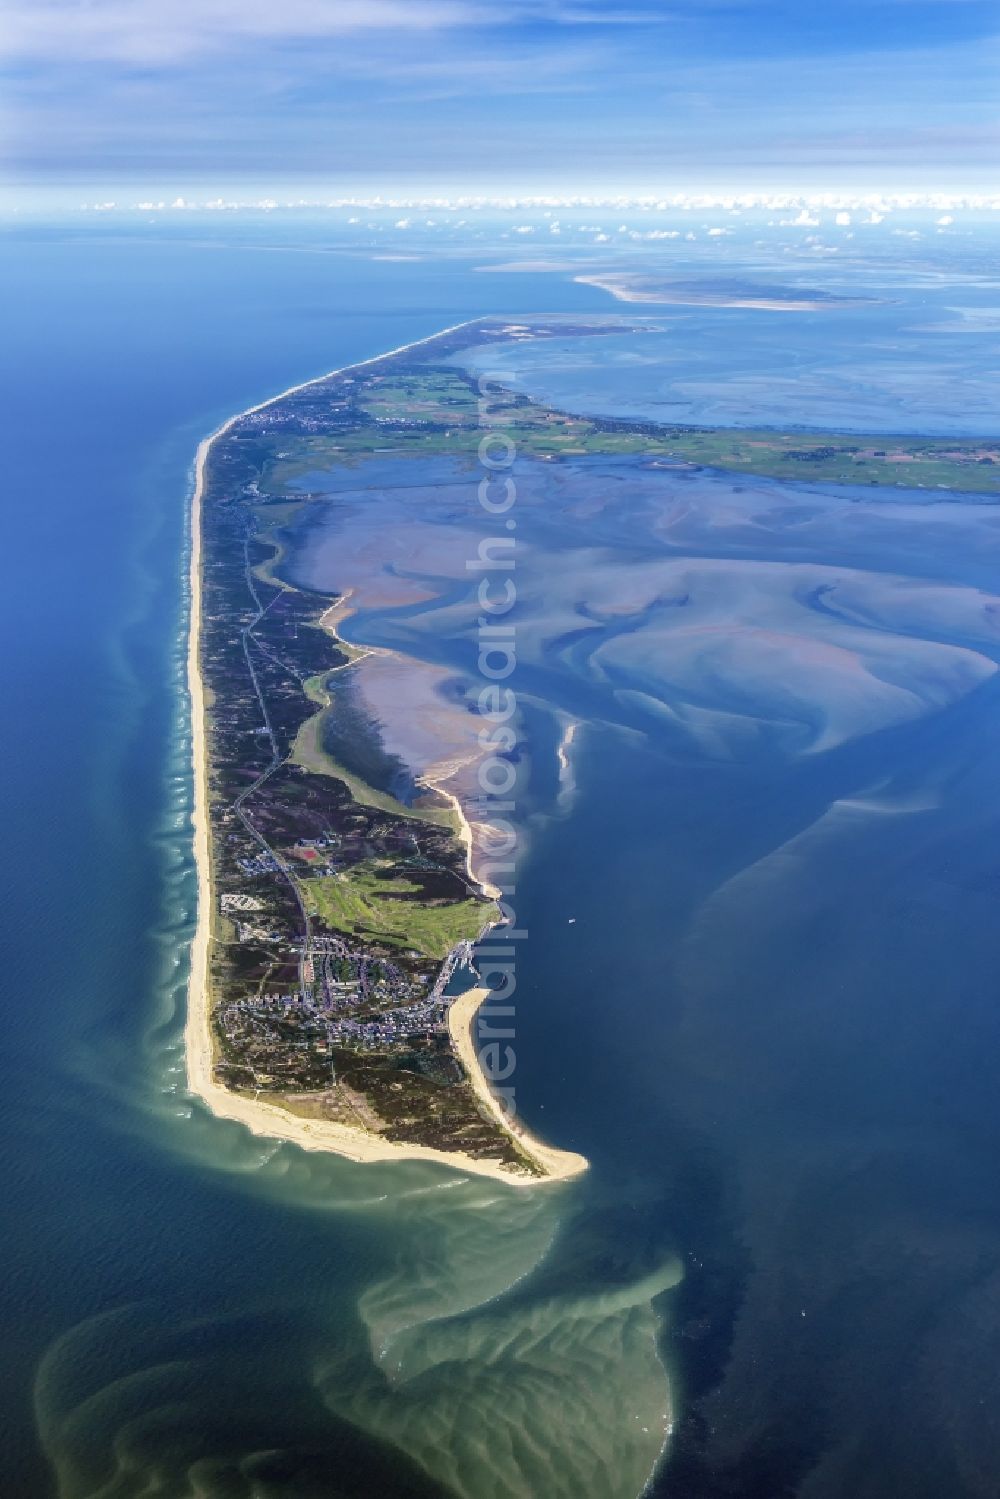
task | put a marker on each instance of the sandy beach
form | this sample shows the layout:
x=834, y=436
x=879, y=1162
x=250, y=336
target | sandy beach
x=623, y=290
x=557, y=1164
x=265, y=1118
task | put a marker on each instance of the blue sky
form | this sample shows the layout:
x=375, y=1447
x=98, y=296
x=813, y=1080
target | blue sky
x=500, y=95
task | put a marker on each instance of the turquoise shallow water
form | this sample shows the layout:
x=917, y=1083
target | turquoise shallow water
x=186, y=1306
x=771, y=1025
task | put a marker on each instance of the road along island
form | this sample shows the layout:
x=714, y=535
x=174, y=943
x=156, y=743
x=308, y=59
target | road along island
x=332, y=915
x=339, y=891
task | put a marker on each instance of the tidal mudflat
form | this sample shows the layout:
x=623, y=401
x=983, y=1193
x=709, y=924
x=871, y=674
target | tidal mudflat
x=759, y=990
x=722, y=618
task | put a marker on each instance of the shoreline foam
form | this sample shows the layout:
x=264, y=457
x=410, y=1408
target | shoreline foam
x=270, y=1119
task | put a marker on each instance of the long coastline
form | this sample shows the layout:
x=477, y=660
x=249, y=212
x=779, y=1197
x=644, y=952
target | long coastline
x=269, y=1119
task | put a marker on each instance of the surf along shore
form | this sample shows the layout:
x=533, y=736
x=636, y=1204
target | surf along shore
x=270, y=1119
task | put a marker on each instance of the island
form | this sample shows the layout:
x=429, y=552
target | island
x=334, y=990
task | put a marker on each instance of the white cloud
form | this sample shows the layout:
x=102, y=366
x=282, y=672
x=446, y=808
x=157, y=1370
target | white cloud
x=843, y=219
x=163, y=32
x=403, y=223
x=524, y=228
x=717, y=233
x=808, y=205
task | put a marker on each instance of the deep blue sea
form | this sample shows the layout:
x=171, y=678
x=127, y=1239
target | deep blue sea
x=790, y=1236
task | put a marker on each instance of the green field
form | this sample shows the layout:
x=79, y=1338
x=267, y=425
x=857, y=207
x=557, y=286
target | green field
x=436, y=396
x=436, y=412
x=972, y=465
x=361, y=903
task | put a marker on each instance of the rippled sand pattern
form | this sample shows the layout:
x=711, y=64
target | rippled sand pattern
x=739, y=618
